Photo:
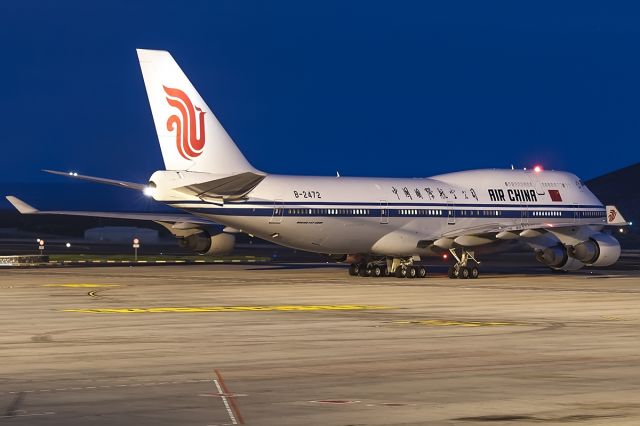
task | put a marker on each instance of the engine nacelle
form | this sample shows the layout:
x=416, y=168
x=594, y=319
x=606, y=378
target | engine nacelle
x=348, y=258
x=598, y=250
x=203, y=243
x=557, y=257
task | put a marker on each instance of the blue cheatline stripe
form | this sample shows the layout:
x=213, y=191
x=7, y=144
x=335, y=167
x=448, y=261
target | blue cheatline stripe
x=408, y=213
x=302, y=204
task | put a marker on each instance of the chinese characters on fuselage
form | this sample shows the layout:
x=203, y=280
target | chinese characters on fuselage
x=430, y=193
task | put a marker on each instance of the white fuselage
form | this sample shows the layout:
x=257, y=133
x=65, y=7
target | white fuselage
x=388, y=216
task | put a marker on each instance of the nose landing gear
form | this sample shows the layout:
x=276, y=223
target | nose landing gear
x=466, y=265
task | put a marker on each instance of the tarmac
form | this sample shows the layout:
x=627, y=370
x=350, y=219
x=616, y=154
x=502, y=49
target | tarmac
x=309, y=345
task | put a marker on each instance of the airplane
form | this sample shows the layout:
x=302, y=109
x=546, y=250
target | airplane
x=380, y=226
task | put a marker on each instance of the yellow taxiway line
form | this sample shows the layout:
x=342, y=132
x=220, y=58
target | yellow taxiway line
x=195, y=309
x=81, y=285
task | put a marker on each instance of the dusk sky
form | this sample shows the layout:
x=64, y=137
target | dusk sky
x=363, y=87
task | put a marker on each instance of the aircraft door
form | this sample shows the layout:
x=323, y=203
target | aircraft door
x=451, y=214
x=535, y=180
x=384, y=212
x=524, y=215
x=278, y=211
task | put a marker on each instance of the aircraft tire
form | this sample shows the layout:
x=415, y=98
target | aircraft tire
x=452, y=272
x=401, y=272
x=353, y=269
x=412, y=272
x=422, y=272
x=474, y=273
x=364, y=272
x=463, y=273
x=376, y=271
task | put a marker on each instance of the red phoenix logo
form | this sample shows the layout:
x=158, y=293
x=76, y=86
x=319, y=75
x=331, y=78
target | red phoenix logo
x=189, y=142
x=612, y=215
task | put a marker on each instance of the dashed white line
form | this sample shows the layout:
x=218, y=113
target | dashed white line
x=226, y=403
x=99, y=387
x=46, y=413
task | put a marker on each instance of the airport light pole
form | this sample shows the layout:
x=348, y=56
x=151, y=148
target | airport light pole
x=136, y=246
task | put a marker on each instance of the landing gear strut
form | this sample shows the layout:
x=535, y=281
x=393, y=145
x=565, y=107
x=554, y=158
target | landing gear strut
x=466, y=265
x=404, y=268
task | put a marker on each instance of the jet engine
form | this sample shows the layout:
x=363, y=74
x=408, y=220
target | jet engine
x=599, y=250
x=204, y=243
x=557, y=257
x=348, y=258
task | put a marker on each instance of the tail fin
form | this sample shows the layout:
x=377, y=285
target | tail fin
x=190, y=136
x=614, y=217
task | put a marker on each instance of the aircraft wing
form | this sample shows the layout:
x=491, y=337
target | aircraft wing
x=495, y=228
x=487, y=233
x=25, y=208
x=119, y=183
x=614, y=218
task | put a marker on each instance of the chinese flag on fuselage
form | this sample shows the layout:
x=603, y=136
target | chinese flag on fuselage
x=555, y=195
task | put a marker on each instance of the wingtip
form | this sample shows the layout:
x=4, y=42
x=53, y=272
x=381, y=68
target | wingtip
x=20, y=205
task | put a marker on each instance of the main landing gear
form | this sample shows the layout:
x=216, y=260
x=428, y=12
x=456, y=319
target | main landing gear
x=400, y=268
x=466, y=265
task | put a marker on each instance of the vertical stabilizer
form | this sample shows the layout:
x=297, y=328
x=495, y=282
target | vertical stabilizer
x=614, y=217
x=191, y=137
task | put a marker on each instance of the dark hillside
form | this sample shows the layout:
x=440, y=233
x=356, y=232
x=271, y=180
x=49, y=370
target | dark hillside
x=622, y=189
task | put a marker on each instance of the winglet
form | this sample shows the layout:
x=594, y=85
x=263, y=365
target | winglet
x=614, y=217
x=21, y=206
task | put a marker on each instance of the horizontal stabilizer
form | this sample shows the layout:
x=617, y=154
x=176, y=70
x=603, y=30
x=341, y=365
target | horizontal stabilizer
x=120, y=183
x=227, y=188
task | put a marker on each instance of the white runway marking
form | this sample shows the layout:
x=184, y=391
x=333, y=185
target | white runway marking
x=46, y=413
x=99, y=387
x=226, y=403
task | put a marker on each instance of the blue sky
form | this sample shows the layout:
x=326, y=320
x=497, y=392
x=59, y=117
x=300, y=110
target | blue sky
x=364, y=87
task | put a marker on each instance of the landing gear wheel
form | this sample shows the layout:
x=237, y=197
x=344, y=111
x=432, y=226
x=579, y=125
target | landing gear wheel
x=422, y=272
x=453, y=273
x=353, y=270
x=385, y=271
x=364, y=272
x=474, y=273
x=412, y=272
x=357, y=268
x=463, y=273
x=401, y=272
x=376, y=271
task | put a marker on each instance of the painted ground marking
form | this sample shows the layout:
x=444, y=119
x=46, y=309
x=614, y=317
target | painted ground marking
x=454, y=323
x=196, y=309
